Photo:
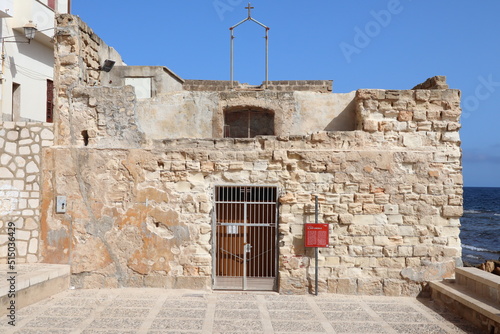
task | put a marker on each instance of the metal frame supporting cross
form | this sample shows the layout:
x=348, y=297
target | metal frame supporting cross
x=249, y=18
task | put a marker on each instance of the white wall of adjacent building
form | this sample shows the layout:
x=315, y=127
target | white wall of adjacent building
x=27, y=68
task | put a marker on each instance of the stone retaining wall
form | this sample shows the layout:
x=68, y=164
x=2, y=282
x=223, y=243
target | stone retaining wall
x=21, y=153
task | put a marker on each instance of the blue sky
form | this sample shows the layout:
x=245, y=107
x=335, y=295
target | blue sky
x=387, y=44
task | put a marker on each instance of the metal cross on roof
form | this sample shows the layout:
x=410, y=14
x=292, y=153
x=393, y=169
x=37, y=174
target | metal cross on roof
x=250, y=18
x=249, y=10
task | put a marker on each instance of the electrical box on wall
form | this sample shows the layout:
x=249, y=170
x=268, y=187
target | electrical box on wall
x=61, y=204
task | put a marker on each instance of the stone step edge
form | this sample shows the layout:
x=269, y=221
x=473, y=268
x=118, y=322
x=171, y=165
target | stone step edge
x=478, y=275
x=468, y=298
x=25, y=280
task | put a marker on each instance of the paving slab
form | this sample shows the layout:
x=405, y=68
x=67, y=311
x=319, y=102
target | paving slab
x=154, y=311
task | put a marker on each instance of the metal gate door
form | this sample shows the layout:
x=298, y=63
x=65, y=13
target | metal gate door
x=245, y=243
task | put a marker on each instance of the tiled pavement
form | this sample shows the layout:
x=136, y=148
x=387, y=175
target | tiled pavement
x=153, y=311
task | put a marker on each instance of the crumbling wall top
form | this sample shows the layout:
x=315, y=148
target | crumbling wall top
x=437, y=82
x=321, y=86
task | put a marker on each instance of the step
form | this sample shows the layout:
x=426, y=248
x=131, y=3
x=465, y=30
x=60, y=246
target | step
x=33, y=282
x=470, y=305
x=481, y=282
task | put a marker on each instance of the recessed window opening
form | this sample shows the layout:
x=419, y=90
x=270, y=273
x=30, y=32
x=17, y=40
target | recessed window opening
x=248, y=123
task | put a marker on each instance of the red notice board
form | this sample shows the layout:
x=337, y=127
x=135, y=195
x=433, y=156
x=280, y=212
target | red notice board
x=316, y=235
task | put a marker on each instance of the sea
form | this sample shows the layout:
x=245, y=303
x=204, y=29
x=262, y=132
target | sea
x=480, y=231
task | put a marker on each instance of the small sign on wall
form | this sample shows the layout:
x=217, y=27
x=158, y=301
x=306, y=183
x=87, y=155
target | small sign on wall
x=232, y=229
x=316, y=235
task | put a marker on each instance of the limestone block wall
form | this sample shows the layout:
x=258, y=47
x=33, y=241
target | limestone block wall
x=101, y=117
x=209, y=85
x=142, y=217
x=130, y=220
x=321, y=86
x=113, y=116
x=416, y=114
x=295, y=113
x=80, y=54
x=385, y=164
x=181, y=114
x=21, y=159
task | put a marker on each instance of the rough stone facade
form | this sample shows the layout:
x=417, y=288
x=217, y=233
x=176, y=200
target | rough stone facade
x=21, y=161
x=139, y=176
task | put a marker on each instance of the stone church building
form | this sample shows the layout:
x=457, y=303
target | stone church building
x=146, y=179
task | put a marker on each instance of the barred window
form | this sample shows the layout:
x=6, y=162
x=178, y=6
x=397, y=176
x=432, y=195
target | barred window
x=248, y=123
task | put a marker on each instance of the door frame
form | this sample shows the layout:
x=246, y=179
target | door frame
x=214, y=236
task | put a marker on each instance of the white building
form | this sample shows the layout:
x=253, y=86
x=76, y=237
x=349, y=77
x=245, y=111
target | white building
x=27, y=68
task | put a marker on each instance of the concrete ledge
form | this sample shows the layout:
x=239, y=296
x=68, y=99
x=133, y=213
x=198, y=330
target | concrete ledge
x=470, y=305
x=479, y=281
x=34, y=282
